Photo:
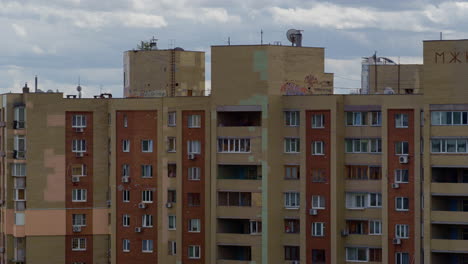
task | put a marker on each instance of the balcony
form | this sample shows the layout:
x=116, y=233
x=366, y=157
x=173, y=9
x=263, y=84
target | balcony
x=449, y=189
x=240, y=119
x=453, y=217
x=443, y=258
x=240, y=172
x=234, y=253
x=449, y=245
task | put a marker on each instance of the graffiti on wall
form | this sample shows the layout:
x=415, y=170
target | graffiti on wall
x=311, y=84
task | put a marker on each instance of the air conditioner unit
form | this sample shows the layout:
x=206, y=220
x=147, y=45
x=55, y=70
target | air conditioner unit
x=125, y=179
x=142, y=205
x=396, y=241
x=79, y=154
x=75, y=179
x=403, y=159
x=344, y=232
x=79, y=129
x=76, y=229
x=108, y=202
x=137, y=229
x=191, y=156
x=395, y=185
x=168, y=205
x=313, y=212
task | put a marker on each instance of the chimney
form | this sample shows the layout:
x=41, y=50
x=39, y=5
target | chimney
x=26, y=88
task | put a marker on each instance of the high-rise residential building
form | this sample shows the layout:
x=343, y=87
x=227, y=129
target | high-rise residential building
x=272, y=167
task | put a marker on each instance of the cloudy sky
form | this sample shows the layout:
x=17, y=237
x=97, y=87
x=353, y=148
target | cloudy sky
x=60, y=40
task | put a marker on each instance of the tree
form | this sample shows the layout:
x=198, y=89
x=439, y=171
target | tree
x=144, y=45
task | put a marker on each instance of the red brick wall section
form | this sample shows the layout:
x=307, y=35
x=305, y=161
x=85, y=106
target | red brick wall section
x=405, y=189
x=141, y=125
x=189, y=186
x=85, y=182
x=313, y=188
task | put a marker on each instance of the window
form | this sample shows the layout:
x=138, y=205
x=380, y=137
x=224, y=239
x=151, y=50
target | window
x=18, y=169
x=147, y=246
x=171, y=170
x=125, y=120
x=194, y=225
x=373, y=145
x=147, y=220
x=79, y=145
x=126, y=170
x=402, y=203
x=292, y=226
x=194, y=173
x=401, y=176
x=78, y=219
x=126, y=245
x=171, y=144
x=171, y=119
x=401, y=120
x=318, y=121
x=291, y=118
x=375, y=227
x=291, y=172
x=194, y=252
x=234, y=198
x=318, y=175
x=291, y=145
x=376, y=118
x=375, y=254
x=255, y=227
x=172, y=248
x=78, y=170
x=79, y=121
x=19, y=219
x=318, y=256
x=449, y=118
x=126, y=220
x=291, y=200
x=147, y=145
x=375, y=173
x=126, y=196
x=171, y=222
x=355, y=200
x=318, y=229
x=291, y=253
x=79, y=195
x=354, y=172
x=78, y=244
x=318, y=148
x=233, y=145
x=375, y=200
x=147, y=196
x=318, y=202
x=448, y=145
x=193, y=147
x=20, y=117
x=356, y=118
x=171, y=196
x=355, y=227
x=356, y=254
x=402, y=231
x=402, y=258
x=193, y=199
x=126, y=145
x=20, y=147
x=401, y=148
x=194, y=121
x=146, y=171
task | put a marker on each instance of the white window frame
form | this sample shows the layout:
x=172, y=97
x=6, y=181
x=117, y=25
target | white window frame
x=19, y=219
x=125, y=145
x=126, y=170
x=172, y=248
x=239, y=145
x=147, y=196
x=79, y=145
x=356, y=201
x=172, y=119
x=400, y=176
x=79, y=195
x=146, y=171
x=193, y=146
x=318, y=202
x=147, y=221
x=401, y=120
x=357, y=119
x=443, y=145
x=292, y=145
x=379, y=118
x=375, y=227
x=80, y=244
x=172, y=222
x=194, y=226
x=20, y=117
x=18, y=169
x=194, y=121
x=171, y=144
x=126, y=196
x=292, y=200
x=194, y=173
x=149, y=143
x=357, y=254
x=292, y=118
x=401, y=145
x=147, y=246
x=254, y=227
x=318, y=148
x=318, y=229
x=79, y=121
x=402, y=258
x=378, y=199
x=402, y=231
x=363, y=145
x=79, y=219
x=126, y=245
x=194, y=252
x=400, y=203
x=126, y=220
x=17, y=195
x=125, y=120
x=318, y=121
x=292, y=172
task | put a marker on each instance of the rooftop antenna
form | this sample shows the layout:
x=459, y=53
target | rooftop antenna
x=229, y=41
x=78, y=88
x=171, y=43
x=295, y=37
x=261, y=36
x=153, y=43
x=100, y=89
x=35, y=84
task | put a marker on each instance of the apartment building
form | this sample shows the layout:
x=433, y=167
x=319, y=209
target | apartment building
x=272, y=167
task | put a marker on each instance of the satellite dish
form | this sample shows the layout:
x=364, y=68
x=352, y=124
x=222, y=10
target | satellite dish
x=295, y=37
x=78, y=88
x=388, y=90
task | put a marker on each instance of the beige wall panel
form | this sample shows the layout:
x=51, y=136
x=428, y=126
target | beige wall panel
x=45, y=249
x=363, y=186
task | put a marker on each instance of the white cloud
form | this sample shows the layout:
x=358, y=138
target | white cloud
x=36, y=49
x=19, y=30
